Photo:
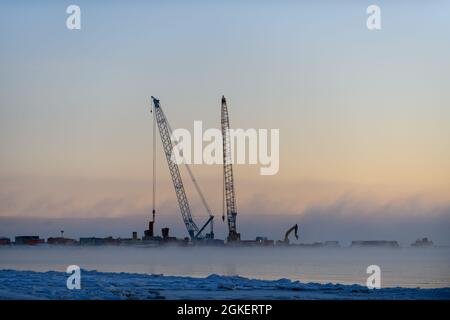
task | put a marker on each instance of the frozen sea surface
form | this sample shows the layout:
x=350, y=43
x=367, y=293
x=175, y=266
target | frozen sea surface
x=113, y=286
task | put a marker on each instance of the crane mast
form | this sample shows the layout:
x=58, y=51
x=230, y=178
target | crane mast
x=165, y=133
x=229, y=194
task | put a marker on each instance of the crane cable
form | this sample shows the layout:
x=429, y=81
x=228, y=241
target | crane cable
x=191, y=175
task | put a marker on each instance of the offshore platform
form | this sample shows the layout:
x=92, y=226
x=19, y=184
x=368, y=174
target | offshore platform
x=203, y=235
x=197, y=235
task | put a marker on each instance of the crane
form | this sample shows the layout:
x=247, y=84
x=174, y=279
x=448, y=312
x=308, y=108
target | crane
x=229, y=198
x=166, y=133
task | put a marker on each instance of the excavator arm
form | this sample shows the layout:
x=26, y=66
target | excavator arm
x=295, y=229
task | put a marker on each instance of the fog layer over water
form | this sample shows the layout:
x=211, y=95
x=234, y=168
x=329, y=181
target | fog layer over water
x=405, y=267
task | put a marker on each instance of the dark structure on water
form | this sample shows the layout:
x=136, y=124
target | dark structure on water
x=375, y=243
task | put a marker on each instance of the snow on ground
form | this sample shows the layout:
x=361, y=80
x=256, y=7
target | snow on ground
x=112, y=286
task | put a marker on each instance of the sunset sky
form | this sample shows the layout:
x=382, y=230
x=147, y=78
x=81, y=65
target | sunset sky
x=364, y=116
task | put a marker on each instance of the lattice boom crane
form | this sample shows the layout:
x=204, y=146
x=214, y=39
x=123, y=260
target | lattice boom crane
x=228, y=180
x=165, y=133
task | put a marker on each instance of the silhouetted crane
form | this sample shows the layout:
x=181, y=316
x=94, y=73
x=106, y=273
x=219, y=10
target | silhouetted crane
x=166, y=132
x=229, y=198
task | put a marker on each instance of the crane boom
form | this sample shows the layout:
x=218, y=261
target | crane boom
x=229, y=194
x=165, y=133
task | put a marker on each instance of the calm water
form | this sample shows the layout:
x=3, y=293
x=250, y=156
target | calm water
x=405, y=267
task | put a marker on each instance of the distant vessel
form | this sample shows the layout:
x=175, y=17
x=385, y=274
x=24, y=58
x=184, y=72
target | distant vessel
x=424, y=242
x=5, y=241
x=375, y=243
x=28, y=240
